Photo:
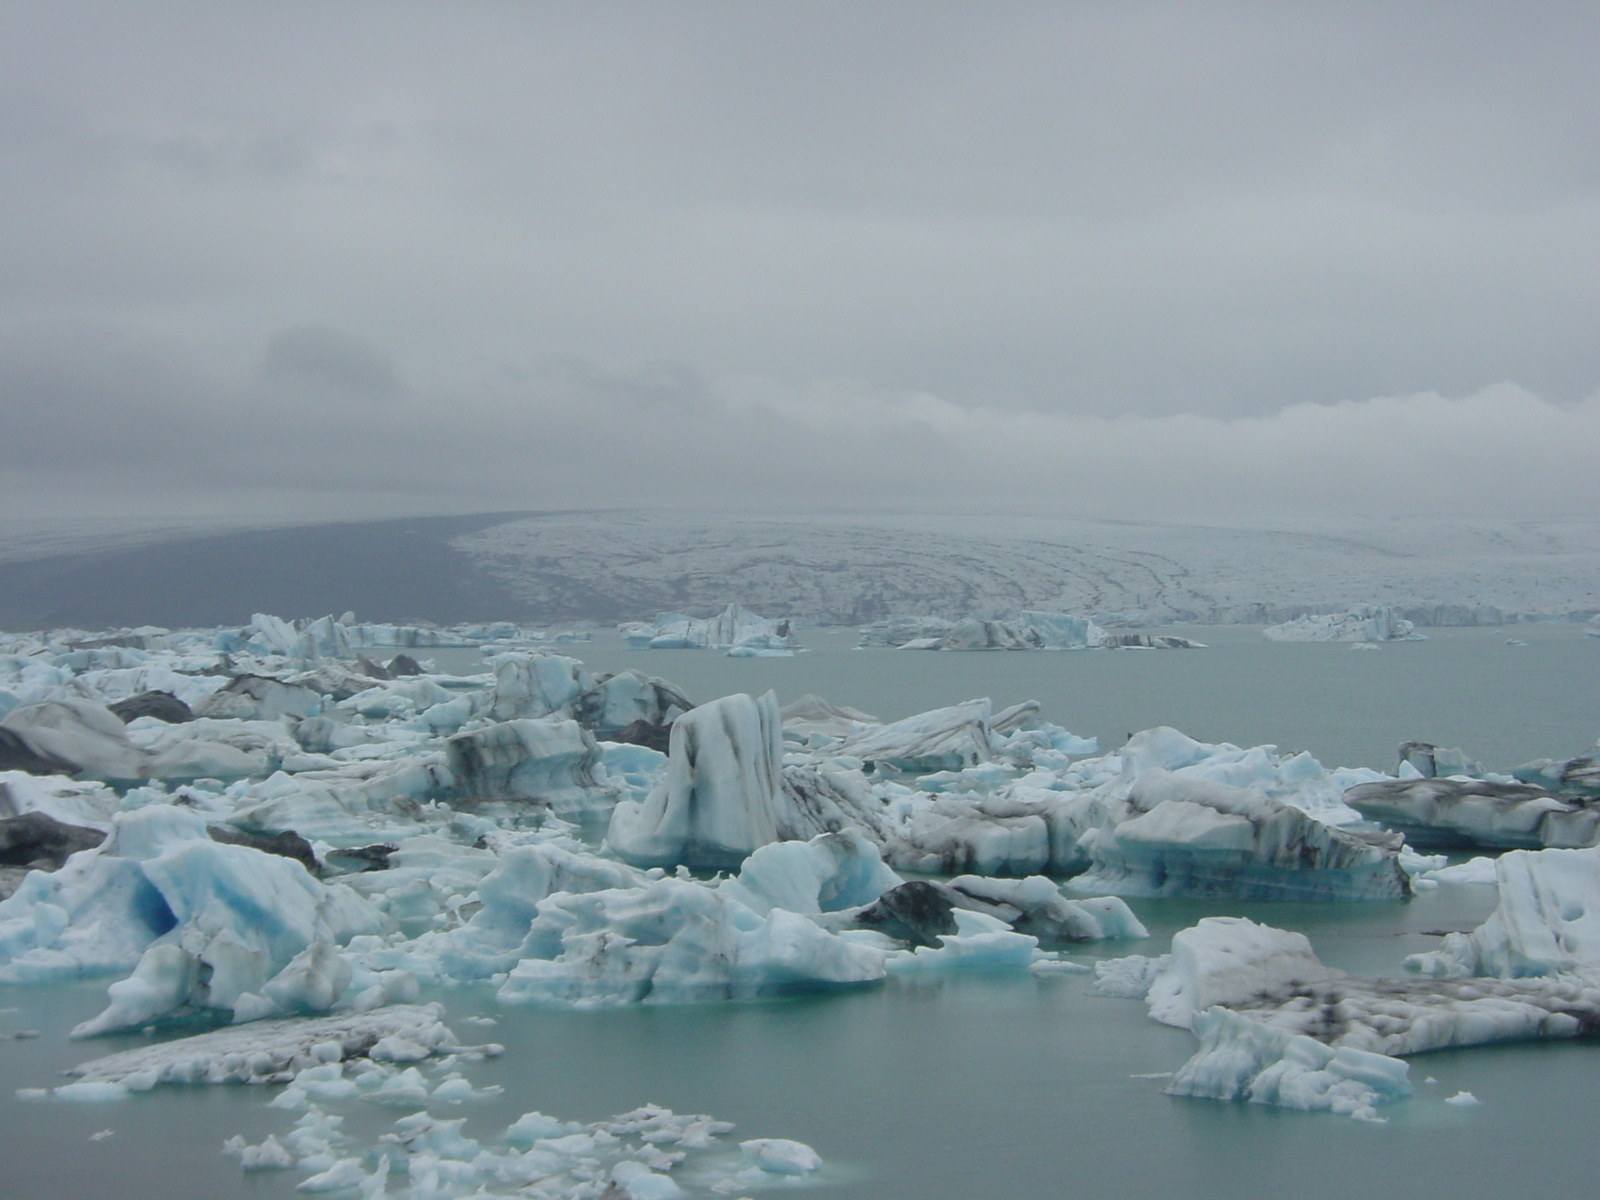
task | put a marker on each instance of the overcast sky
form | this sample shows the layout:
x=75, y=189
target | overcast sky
x=331, y=258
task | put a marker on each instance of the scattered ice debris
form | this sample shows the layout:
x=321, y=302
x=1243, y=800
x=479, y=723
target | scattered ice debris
x=650, y=1153
x=102, y=1135
x=1241, y=1059
x=269, y=1155
x=275, y=1051
x=1463, y=1099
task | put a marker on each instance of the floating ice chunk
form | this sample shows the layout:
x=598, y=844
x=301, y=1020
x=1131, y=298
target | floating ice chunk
x=236, y=916
x=1547, y=920
x=535, y=1126
x=260, y=698
x=780, y=1156
x=88, y=803
x=722, y=793
x=269, y=1051
x=93, y=1092
x=405, y=1089
x=270, y=1155
x=1227, y=960
x=675, y=941
x=345, y=1174
x=735, y=626
x=639, y=1182
x=1459, y=812
x=1463, y=1100
x=1170, y=834
x=536, y=685
x=1036, y=906
x=811, y=715
x=1129, y=977
x=87, y=738
x=550, y=761
x=901, y=630
x=1366, y=623
x=945, y=739
x=1475, y=870
x=830, y=872
x=629, y=700
x=1241, y=1059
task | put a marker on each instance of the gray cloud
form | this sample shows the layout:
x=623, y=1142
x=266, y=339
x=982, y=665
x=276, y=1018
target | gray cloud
x=319, y=355
x=226, y=223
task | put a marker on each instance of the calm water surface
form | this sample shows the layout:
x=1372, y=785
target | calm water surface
x=983, y=1086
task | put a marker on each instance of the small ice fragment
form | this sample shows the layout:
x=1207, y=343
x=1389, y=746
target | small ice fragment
x=1155, y=1075
x=397, y=1049
x=1463, y=1099
x=1046, y=967
x=780, y=1156
x=93, y=1092
x=32, y=1093
x=102, y=1135
x=1430, y=1079
x=346, y=1173
x=480, y=1021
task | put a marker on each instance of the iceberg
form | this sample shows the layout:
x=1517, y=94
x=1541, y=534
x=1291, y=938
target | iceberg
x=1168, y=834
x=272, y=1051
x=1462, y=813
x=1547, y=921
x=722, y=795
x=734, y=628
x=1366, y=623
x=676, y=942
x=1278, y=1027
x=549, y=761
x=1240, y=1059
x=945, y=739
x=206, y=927
x=78, y=737
x=811, y=716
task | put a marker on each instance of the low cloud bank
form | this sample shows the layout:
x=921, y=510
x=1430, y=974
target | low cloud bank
x=104, y=423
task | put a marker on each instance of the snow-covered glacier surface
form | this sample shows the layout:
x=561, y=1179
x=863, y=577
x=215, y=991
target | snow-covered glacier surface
x=851, y=569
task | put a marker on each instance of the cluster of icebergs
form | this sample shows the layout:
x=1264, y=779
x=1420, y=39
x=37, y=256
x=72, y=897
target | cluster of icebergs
x=269, y=828
x=1025, y=631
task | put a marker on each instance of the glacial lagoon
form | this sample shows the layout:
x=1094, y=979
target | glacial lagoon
x=978, y=1085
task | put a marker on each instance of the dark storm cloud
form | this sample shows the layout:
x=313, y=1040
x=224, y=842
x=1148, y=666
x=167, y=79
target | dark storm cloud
x=873, y=251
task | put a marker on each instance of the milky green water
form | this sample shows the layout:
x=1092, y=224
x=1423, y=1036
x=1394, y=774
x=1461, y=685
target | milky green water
x=984, y=1086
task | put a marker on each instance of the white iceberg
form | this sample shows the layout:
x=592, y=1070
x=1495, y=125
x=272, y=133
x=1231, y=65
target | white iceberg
x=733, y=628
x=722, y=795
x=1168, y=834
x=1365, y=623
